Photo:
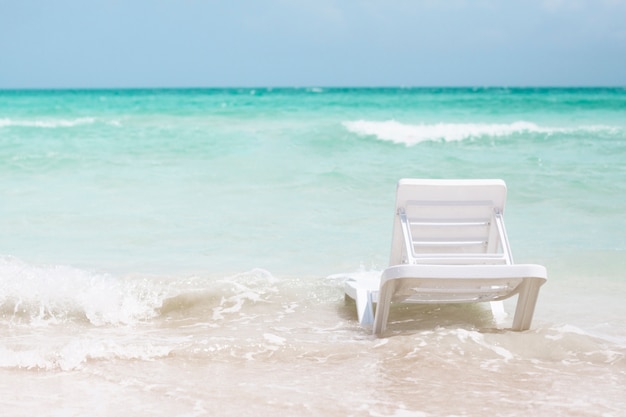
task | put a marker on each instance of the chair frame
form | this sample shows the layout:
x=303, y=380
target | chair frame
x=450, y=269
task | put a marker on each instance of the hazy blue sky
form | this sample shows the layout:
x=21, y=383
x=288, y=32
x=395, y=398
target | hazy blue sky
x=168, y=43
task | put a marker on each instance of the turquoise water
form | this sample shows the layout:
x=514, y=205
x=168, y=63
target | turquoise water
x=299, y=180
x=150, y=228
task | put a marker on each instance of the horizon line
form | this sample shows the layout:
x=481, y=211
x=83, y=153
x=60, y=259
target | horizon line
x=312, y=87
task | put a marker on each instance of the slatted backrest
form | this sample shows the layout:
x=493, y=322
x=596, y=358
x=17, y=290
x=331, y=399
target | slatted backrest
x=450, y=222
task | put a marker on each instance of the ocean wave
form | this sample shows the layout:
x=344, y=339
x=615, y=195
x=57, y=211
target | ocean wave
x=44, y=295
x=61, y=317
x=412, y=134
x=47, y=123
x=51, y=294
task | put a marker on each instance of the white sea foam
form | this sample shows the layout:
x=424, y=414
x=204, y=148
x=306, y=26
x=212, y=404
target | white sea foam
x=247, y=288
x=77, y=351
x=411, y=134
x=465, y=335
x=48, y=123
x=47, y=294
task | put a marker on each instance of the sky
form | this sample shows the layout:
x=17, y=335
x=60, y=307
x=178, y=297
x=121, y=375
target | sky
x=297, y=43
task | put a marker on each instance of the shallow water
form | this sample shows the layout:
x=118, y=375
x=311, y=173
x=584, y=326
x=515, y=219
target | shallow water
x=182, y=252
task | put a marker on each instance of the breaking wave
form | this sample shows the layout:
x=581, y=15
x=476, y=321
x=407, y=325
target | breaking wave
x=412, y=134
x=46, y=123
x=53, y=294
x=43, y=295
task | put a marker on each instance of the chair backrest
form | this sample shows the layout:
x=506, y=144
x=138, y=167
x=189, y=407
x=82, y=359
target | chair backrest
x=450, y=222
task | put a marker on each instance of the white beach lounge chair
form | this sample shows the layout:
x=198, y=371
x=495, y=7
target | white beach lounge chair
x=449, y=245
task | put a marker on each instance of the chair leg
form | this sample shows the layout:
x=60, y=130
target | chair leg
x=526, y=301
x=497, y=311
x=364, y=307
x=382, y=309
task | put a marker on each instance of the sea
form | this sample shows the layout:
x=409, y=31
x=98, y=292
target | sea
x=183, y=252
